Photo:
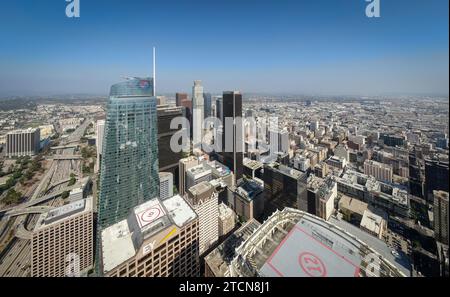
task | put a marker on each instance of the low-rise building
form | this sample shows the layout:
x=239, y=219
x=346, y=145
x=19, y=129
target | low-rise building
x=352, y=209
x=227, y=220
x=373, y=224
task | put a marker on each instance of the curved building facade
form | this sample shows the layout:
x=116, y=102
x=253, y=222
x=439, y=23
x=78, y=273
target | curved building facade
x=129, y=167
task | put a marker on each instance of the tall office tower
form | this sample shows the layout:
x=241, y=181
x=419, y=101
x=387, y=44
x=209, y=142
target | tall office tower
x=441, y=216
x=100, y=131
x=314, y=125
x=279, y=141
x=416, y=175
x=187, y=112
x=180, y=97
x=382, y=172
x=198, y=107
x=62, y=241
x=233, y=136
x=168, y=159
x=219, y=107
x=284, y=187
x=436, y=177
x=207, y=102
x=23, y=143
x=165, y=185
x=184, y=165
x=205, y=202
x=129, y=168
x=218, y=129
x=159, y=238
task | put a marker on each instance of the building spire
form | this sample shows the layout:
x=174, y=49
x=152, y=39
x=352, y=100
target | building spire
x=154, y=71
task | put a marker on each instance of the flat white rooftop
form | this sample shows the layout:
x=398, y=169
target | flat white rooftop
x=64, y=212
x=150, y=217
x=117, y=245
x=180, y=212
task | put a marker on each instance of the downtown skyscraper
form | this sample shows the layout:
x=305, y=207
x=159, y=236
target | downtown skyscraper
x=129, y=167
x=198, y=112
x=232, y=139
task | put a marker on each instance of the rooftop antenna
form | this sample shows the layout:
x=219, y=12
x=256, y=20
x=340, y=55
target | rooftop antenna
x=154, y=71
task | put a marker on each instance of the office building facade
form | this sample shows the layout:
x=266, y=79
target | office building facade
x=380, y=171
x=207, y=105
x=284, y=187
x=232, y=138
x=198, y=109
x=436, y=177
x=100, y=132
x=62, y=241
x=129, y=168
x=23, y=143
x=440, y=209
x=165, y=185
x=167, y=158
x=204, y=200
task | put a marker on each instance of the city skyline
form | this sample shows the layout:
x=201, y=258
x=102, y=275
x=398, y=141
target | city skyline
x=323, y=48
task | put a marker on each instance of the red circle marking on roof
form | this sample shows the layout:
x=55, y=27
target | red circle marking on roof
x=312, y=265
x=150, y=214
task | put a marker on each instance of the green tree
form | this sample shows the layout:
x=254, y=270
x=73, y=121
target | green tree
x=86, y=169
x=12, y=197
x=72, y=181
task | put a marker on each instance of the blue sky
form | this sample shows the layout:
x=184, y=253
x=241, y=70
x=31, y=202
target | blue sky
x=306, y=47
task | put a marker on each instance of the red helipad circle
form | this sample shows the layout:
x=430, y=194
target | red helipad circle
x=150, y=214
x=312, y=265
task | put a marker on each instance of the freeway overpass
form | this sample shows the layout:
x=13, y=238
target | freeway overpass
x=64, y=157
x=29, y=210
x=45, y=198
x=64, y=147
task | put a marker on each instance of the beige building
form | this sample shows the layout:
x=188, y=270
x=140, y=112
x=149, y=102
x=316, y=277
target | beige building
x=62, y=241
x=441, y=216
x=227, y=219
x=352, y=208
x=204, y=200
x=158, y=239
x=184, y=165
x=321, y=194
x=380, y=171
x=373, y=224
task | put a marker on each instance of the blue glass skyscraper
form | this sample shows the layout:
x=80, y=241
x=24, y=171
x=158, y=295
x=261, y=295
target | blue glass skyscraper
x=129, y=167
x=207, y=106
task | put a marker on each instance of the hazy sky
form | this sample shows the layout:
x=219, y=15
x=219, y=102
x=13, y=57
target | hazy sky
x=314, y=46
